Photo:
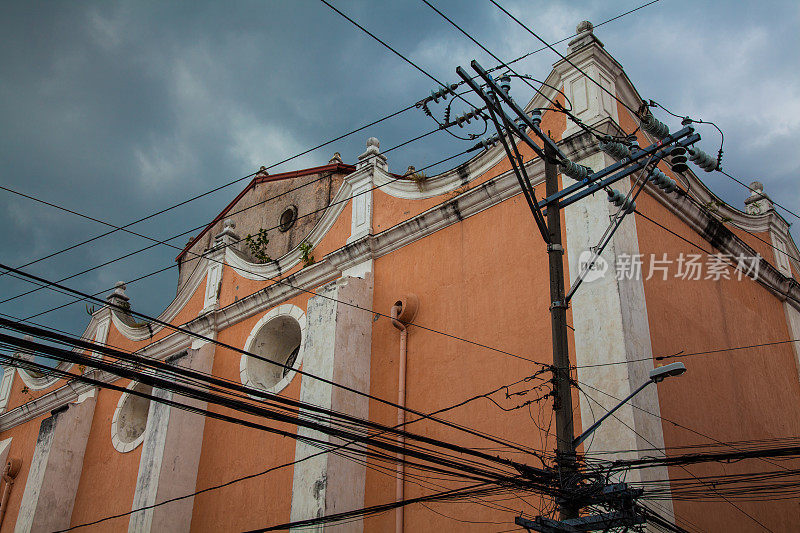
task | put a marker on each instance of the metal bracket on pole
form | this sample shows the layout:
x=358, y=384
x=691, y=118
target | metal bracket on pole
x=620, y=165
x=595, y=522
x=518, y=110
x=514, y=128
x=516, y=161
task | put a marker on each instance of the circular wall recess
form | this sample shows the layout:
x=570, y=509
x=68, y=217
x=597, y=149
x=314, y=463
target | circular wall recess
x=280, y=337
x=288, y=218
x=130, y=418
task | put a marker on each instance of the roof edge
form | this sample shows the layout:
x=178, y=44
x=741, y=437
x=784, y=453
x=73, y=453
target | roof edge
x=332, y=167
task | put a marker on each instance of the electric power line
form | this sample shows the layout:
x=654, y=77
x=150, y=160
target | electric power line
x=653, y=445
x=562, y=56
x=238, y=350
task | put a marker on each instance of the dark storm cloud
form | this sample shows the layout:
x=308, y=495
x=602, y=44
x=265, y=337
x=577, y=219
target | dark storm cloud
x=119, y=110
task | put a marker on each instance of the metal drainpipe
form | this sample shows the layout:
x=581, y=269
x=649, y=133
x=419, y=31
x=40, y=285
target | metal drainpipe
x=403, y=312
x=9, y=474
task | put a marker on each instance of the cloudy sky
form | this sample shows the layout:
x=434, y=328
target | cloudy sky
x=120, y=109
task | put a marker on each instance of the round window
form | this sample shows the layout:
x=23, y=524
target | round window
x=288, y=218
x=130, y=418
x=277, y=338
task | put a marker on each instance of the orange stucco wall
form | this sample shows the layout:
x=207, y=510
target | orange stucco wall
x=484, y=279
x=231, y=452
x=23, y=444
x=728, y=396
x=108, y=478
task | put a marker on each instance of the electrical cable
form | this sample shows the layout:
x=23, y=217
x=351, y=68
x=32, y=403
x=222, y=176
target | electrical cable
x=158, y=399
x=140, y=360
x=691, y=354
x=562, y=56
x=243, y=478
x=120, y=388
x=517, y=74
x=225, y=185
x=286, y=160
x=719, y=156
x=467, y=469
x=285, y=283
x=395, y=52
x=759, y=192
x=165, y=241
x=79, y=342
x=651, y=444
x=244, y=352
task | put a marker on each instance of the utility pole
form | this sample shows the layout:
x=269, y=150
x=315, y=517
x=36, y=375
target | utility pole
x=618, y=498
x=562, y=392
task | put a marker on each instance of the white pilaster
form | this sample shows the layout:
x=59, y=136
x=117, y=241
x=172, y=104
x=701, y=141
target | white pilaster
x=5, y=388
x=55, y=470
x=338, y=347
x=361, y=183
x=590, y=103
x=170, y=456
x=213, y=281
x=611, y=324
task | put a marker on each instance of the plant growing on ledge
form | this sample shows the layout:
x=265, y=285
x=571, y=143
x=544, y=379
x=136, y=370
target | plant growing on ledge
x=305, y=257
x=417, y=177
x=258, y=246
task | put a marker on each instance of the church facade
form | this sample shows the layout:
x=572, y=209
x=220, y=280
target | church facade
x=425, y=291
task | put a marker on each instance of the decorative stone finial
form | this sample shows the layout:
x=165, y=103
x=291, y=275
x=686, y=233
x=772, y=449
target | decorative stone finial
x=585, y=37
x=25, y=354
x=373, y=155
x=337, y=158
x=227, y=236
x=118, y=296
x=757, y=203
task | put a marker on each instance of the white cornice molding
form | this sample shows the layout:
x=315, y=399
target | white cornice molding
x=145, y=332
x=473, y=201
x=67, y=393
x=441, y=183
x=723, y=239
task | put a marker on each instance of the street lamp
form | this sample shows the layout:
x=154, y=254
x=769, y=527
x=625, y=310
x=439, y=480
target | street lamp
x=656, y=375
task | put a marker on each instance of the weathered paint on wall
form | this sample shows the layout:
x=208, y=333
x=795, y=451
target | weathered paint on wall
x=230, y=451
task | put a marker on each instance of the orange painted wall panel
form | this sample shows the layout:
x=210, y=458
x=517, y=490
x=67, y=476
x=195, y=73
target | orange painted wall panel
x=23, y=445
x=108, y=478
x=484, y=279
x=728, y=396
x=231, y=451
